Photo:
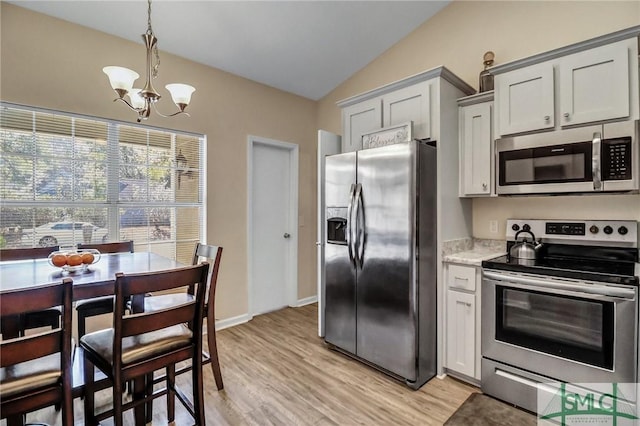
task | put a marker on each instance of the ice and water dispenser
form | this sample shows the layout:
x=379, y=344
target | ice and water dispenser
x=337, y=226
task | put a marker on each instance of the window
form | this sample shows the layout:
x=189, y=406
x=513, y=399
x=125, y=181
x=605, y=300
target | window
x=67, y=179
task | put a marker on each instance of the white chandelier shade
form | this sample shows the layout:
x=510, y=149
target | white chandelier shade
x=121, y=78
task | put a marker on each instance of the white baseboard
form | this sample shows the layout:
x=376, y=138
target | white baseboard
x=307, y=301
x=229, y=322
x=241, y=319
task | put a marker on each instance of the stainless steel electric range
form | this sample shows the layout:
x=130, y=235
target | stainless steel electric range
x=569, y=315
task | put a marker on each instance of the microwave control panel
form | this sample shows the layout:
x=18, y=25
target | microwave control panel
x=616, y=159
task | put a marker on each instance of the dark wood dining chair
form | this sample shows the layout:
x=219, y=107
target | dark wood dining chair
x=44, y=318
x=99, y=305
x=143, y=342
x=212, y=254
x=35, y=370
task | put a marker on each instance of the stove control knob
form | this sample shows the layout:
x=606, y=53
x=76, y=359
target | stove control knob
x=594, y=229
x=526, y=227
x=623, y=230
x=608, y=230
x=515, y=227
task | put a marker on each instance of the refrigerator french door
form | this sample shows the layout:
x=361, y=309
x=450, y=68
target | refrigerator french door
x=380, y=258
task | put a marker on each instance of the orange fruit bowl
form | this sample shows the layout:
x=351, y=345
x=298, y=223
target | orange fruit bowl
x=74, y=260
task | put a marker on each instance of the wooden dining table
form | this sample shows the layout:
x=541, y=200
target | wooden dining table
x=97, y=280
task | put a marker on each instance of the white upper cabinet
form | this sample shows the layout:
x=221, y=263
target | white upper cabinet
x=588, y=82
x=476, y=148
x=409, y=104
x=524, y=99
x=594, y=85
x=417, y=99
x=358, y=119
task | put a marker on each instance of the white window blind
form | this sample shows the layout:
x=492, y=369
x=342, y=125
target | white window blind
x=63, y=175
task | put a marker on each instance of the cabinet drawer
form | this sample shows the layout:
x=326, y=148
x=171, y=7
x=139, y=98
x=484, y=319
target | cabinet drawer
x=462, y=277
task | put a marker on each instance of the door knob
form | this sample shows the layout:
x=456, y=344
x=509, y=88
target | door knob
x=286, y=235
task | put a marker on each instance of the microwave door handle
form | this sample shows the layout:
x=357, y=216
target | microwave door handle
x=595, y=161
x=350, y=246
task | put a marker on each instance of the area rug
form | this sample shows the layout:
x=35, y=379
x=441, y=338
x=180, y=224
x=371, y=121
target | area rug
x=482, y=410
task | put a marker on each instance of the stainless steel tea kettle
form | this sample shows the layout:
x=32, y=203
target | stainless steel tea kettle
x=525, y=249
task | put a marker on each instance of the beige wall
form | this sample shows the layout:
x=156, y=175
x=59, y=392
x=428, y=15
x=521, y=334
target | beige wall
x=50, y=63
x=457, y=37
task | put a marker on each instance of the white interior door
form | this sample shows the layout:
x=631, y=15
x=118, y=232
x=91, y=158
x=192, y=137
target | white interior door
x=272, y=225
x=328, y=144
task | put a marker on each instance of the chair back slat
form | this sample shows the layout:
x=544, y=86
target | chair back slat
x=115, y=247
x=205, y=251
x=136, y=285
x=23, y=349
x=27, y=253
x=155, y=320
x=19, y=301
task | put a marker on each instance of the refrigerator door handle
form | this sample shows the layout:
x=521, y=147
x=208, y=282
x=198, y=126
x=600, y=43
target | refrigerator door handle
x=359, y=213
x=349, y=229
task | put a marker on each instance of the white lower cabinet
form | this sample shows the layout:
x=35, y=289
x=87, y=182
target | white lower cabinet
x=462, y=329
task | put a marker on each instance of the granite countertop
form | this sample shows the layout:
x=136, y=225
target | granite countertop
x=472, y=252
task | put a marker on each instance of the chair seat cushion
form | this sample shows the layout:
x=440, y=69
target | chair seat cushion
x=164, y=301
x=138, y=347
x=29, y=375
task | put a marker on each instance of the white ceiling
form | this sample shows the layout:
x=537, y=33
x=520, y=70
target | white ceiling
x=303, y=47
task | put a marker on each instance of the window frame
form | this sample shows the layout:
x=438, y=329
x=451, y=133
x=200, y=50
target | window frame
x=112, y=204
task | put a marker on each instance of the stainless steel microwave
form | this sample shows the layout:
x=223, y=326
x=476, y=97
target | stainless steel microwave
x=597, y=158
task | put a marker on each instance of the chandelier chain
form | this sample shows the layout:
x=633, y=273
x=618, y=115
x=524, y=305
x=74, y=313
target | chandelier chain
x=156, y=65
x=149, y=29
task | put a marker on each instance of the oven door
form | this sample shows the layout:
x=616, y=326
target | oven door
x=578, y=332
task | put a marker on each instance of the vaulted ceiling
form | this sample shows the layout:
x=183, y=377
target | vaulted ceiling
x=304, y=47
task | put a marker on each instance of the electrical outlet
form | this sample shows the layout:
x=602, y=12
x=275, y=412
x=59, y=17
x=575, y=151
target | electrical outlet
x=493, y=226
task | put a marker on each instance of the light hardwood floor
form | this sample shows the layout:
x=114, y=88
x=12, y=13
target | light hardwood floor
x=277, y=371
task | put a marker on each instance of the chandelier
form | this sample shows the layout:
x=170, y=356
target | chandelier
x=141, y=100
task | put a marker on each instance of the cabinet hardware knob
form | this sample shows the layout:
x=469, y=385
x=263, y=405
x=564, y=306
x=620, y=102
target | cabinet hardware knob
x=484, y=185
x=566, y=115
x=547, y=118
x=467, y=303
x=286, y=235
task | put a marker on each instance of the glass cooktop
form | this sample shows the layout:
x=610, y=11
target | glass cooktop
x=610, y=271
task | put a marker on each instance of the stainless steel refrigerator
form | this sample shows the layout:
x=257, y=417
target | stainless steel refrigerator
x=380, y=258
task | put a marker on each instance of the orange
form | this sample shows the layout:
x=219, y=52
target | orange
x=74, y=259
x=87, y=258
x=59, y=260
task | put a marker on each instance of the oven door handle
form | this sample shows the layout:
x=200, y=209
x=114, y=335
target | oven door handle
x=601, y=292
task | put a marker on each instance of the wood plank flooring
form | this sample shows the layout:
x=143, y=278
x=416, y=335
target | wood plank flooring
x=277, y=371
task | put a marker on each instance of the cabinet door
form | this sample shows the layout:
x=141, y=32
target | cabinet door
x=594, y=85
x=358, y=119
x=409, y=104
x=524, y=99
x=460, y=337
x=475, y=149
